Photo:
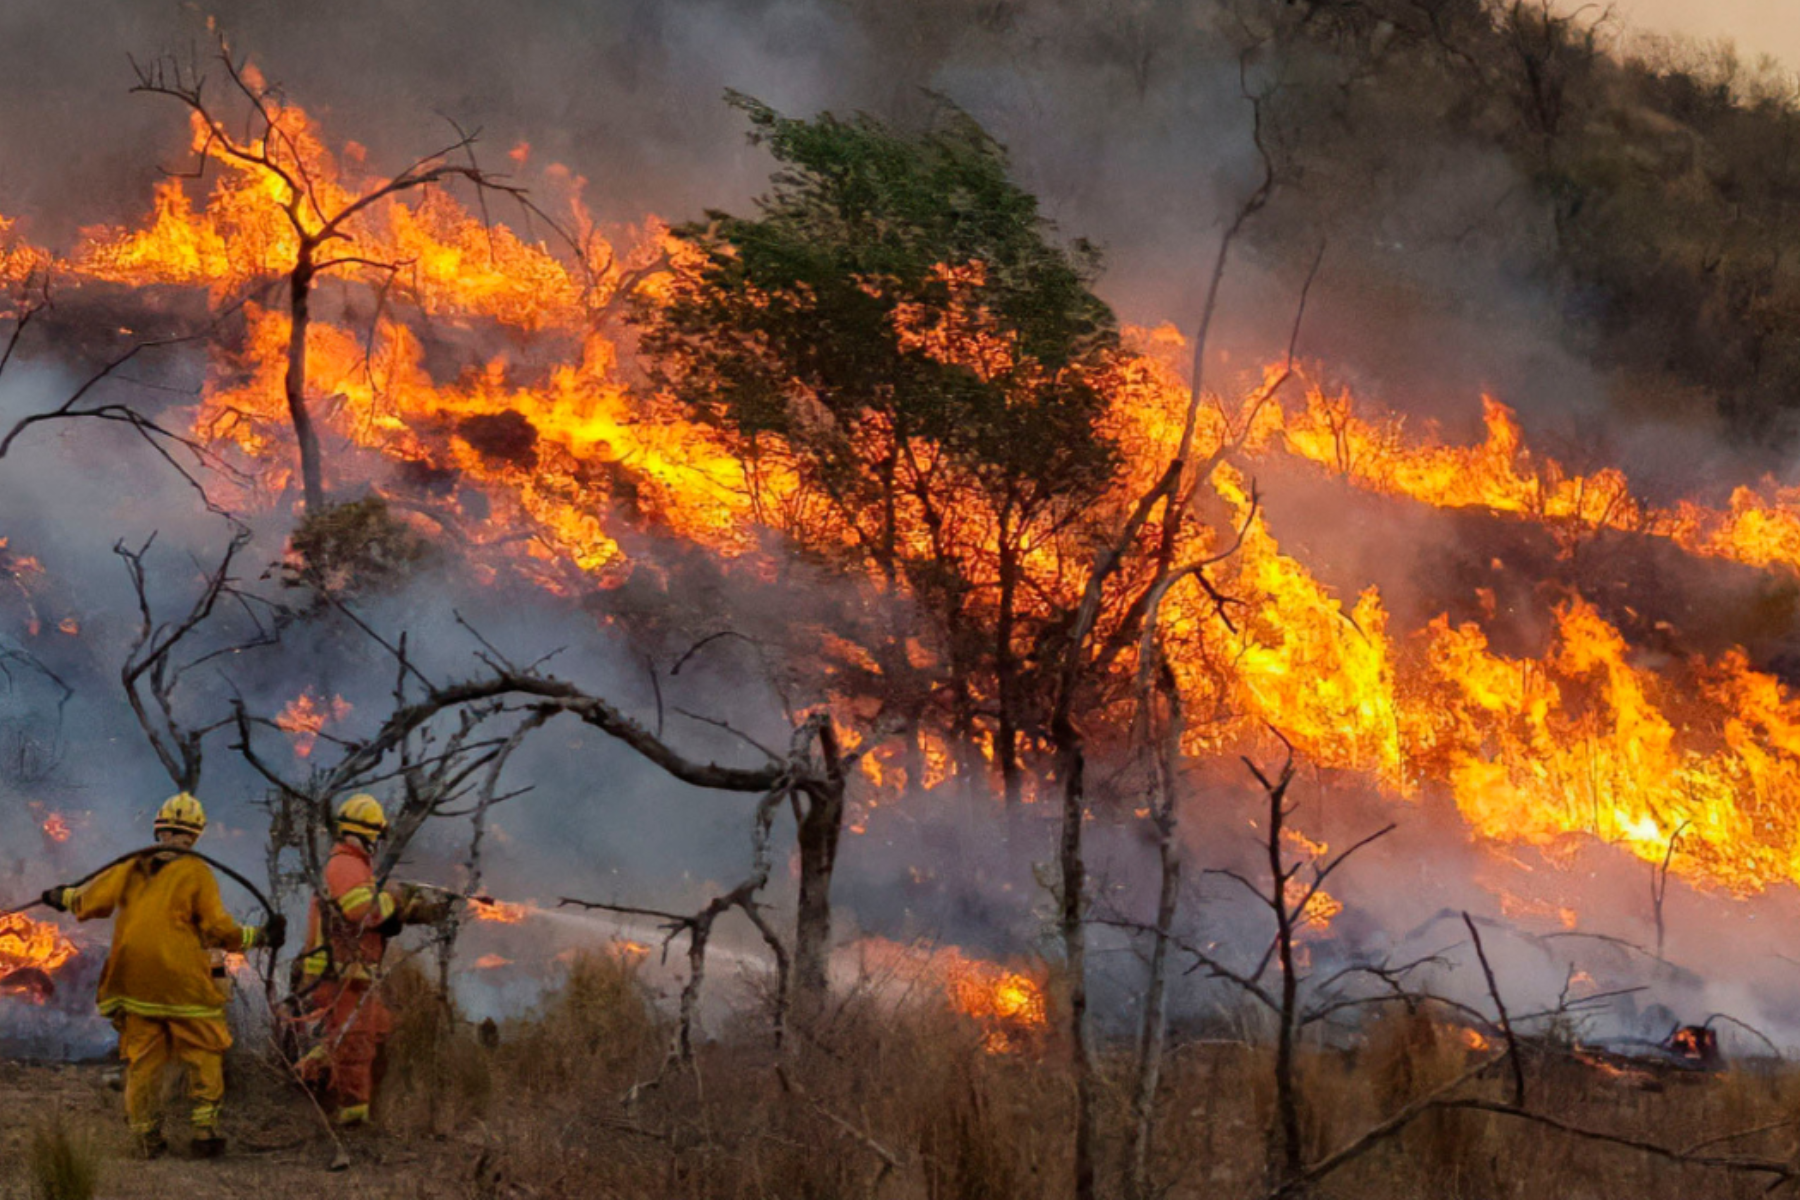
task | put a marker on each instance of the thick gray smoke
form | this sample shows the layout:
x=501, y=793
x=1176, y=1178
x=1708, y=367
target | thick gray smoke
x=1133, y=130
x=1130, y=125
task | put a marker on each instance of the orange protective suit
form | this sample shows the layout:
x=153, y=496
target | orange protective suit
x=157, y=984
x=343, y=953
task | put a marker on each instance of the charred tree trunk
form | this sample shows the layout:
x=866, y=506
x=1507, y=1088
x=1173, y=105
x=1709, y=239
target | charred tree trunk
x=1154, y=1031
x=1289, y=1160
x=1074, y=939
x=312, y=472
x=1006, y=741
x=1070, y=765
x=820, y=827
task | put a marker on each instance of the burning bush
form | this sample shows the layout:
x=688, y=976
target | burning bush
x=30, y=953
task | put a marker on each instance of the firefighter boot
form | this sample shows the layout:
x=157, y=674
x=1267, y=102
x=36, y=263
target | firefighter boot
x=150, y=1144
x=207, y=1145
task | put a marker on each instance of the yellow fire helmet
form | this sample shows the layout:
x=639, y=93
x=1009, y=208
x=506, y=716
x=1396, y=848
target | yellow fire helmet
x=362, y=814
x=181, y=812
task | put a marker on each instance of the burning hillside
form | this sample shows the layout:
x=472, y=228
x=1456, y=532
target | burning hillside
x=788, y=674
x=549, y=459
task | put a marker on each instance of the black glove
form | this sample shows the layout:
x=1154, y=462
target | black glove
x=274, y=934
x=56, y=897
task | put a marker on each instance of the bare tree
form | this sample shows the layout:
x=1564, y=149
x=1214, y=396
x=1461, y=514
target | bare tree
x=1294, y=1000
x=1659, y=883
x=270, y=146
x=439, y=737
x=81, y=403
x=153, y=669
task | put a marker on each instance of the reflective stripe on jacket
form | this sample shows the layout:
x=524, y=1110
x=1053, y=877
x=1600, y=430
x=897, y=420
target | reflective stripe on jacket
x=166, y=913
x=354, y=950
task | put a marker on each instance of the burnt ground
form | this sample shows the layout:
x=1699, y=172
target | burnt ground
x=277, y=1144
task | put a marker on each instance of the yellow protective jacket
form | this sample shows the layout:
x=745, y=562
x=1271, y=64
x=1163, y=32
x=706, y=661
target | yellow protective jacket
x=167, y=913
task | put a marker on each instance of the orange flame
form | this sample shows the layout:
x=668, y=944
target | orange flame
x=554, y=466
x=30, y=953
x=1008, y=1006
x=305, y=717
x=498, y=910
x=629, y=950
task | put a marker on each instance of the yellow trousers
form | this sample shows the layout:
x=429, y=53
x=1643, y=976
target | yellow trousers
x=150, y=1044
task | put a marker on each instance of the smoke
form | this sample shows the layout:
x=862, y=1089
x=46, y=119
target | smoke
x=1131, y=124
x=1134, y=131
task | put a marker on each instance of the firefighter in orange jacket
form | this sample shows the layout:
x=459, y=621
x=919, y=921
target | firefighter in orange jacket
x=345, y=940
x=157, y=984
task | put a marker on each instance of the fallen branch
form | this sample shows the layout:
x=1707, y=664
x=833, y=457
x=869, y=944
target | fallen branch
x=1374, y=1136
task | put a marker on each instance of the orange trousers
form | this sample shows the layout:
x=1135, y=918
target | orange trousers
x=355, y=1024
x=149, y=1045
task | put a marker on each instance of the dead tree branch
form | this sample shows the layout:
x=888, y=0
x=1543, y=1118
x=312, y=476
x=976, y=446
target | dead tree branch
x=1512, y=1043
x=432, y=732
x=152, y=673
x=270, y=146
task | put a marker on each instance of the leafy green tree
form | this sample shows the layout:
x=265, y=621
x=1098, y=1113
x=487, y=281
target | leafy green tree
x=898, y=338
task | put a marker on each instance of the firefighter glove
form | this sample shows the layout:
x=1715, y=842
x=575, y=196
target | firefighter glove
x=57, y=897
x=274, y=934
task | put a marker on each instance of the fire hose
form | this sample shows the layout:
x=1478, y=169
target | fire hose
x=269, y=909
x=255, y=892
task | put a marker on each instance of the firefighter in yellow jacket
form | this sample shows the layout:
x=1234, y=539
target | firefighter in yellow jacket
x=157, y=984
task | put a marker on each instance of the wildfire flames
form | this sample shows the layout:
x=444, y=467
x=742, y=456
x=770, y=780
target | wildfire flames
x=1009, y=1007
x=498, y=910
x=30, y=953
x=554, y=473
x=305, y=718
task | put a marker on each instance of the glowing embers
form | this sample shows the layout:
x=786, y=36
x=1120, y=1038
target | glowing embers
x=30, y=954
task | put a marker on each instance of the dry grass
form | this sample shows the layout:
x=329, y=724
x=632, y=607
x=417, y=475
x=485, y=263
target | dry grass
x=904, y=1104
x=908, y=1105
x=62, y=1161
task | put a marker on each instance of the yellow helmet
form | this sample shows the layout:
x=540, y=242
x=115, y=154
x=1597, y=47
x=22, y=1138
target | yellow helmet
x=181, y=812
x=362, y=814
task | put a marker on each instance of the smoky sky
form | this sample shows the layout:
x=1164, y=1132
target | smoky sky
x=1136, y=136
x=1138, y=143
x=629, y=94
x=1756, y=27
